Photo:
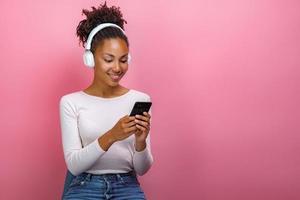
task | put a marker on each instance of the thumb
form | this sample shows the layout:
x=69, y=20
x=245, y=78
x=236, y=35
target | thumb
x=124, y=117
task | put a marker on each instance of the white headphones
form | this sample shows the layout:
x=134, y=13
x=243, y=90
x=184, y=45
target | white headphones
x=88, y=57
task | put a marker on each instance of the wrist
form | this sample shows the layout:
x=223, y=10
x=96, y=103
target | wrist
x=140, y=139
x=106, y=140
x=111, y=136
x=140, y=145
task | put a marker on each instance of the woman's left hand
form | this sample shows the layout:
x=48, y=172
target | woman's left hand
x=143, y=126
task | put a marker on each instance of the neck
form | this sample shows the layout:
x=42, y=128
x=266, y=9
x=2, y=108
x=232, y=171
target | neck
x=99, y=88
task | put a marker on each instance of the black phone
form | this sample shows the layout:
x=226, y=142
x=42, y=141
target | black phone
x=140, y=107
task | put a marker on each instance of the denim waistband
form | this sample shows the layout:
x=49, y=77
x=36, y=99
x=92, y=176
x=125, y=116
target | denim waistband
x=113, y=176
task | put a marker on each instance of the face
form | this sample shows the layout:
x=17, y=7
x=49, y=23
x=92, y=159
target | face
x=111, y=61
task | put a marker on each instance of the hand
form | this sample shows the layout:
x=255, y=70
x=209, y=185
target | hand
x=124, y=128
x=143, y=127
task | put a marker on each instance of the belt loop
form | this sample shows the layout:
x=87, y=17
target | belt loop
x=88, y=177
x=120, y=178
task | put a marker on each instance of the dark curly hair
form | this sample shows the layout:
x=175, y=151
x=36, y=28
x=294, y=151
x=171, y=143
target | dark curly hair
x=96, y=16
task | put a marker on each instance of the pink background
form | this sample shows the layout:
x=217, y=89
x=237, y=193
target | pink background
x=224, y=77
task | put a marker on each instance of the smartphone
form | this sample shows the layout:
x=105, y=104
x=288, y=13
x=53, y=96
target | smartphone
x=140, y=107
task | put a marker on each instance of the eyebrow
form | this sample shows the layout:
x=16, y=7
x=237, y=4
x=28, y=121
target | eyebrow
x=114, y=56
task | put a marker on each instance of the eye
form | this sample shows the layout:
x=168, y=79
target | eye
x=108, y=61
x=124, y=61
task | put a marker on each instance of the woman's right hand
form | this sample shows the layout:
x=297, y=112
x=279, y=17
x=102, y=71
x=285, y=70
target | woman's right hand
x=124, y=128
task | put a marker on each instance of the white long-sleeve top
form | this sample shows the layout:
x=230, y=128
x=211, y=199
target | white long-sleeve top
x=84, y=118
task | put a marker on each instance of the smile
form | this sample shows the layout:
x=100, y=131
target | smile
x=115, y=77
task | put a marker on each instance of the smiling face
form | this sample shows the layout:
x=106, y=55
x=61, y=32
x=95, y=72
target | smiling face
x=111, y=61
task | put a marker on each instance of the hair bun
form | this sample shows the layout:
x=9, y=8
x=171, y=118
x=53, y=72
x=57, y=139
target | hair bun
x=102, y=14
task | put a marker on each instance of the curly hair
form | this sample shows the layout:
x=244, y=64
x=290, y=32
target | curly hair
x=96, y=16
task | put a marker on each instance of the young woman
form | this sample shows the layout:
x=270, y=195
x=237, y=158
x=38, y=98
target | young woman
x=104, y=147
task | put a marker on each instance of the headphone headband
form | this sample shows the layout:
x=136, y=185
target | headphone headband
x=96, y=29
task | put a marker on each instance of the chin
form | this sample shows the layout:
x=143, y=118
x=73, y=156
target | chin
x=113, y=84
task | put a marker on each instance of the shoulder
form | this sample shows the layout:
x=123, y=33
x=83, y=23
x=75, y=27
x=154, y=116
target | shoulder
x=70, y=98
x=141, y=95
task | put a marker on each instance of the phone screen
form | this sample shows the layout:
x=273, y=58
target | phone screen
x=140, y=107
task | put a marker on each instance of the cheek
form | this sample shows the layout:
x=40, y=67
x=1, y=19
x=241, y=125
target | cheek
x=125, y=68
x=101, y=70
x=104, y=67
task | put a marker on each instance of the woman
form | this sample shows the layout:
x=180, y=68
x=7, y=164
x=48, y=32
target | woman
x=104, y=148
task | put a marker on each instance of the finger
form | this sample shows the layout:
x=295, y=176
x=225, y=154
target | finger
x=141, y=128
x=129, y=119
x=130, y=124
x=147, y=114
x=142, y=123
x=147, y=127
x=142, y=118
x=138, y=132
x=124, y=117
x=131, y=129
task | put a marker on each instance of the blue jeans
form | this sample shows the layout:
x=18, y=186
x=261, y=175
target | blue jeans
x=106, y=186
x=68, y=180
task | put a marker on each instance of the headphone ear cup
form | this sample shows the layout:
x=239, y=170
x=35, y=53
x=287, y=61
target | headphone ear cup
x=88, y=59
x=129, y=58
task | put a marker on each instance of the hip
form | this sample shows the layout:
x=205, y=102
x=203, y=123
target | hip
x=105, y=186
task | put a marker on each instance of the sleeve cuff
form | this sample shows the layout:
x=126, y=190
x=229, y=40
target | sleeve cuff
x=97, y=147
x=141, y=152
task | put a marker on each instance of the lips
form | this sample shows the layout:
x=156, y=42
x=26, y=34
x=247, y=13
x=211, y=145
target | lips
x=115, y=77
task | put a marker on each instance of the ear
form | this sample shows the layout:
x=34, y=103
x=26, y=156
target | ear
x=88, y=59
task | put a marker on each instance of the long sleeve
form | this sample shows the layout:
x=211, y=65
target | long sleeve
x=78, y=158
x=142, y=161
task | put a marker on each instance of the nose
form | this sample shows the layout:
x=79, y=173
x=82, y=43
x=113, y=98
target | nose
x=117, y=67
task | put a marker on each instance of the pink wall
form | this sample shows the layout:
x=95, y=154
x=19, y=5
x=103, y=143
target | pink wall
x=224, y=76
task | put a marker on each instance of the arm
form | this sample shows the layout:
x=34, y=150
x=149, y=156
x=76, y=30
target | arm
x=142, y=157
x=142, y=160
x=78, y=159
